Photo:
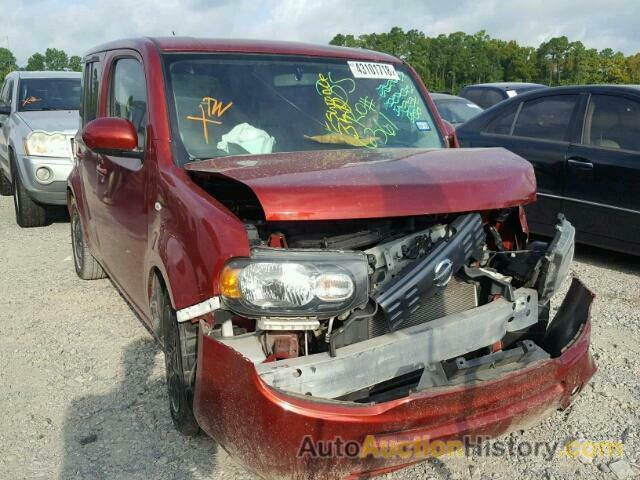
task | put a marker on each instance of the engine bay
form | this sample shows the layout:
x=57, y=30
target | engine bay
x=369, y=310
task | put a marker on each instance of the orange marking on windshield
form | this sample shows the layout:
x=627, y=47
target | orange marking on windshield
x=205, y=121
x=29, y=100
x=215, y=108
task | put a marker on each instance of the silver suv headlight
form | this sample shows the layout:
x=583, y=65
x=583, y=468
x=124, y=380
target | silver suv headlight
x=288, y=282
x=45, y=144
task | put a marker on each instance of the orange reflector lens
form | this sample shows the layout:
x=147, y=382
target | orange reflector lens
x=229, y=285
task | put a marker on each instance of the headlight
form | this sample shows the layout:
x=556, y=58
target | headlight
x=284, y=282
x=557, y=260
x=43, y=144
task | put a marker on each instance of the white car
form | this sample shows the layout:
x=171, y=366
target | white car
x=38, y=120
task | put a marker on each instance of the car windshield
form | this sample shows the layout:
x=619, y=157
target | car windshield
x=457, y=111
x=49, y=94
x=259, y=104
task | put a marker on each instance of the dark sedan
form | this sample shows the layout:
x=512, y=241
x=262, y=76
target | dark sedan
x=584, y=143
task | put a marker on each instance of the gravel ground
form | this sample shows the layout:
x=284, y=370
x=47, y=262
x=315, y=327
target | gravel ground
x=82, y=391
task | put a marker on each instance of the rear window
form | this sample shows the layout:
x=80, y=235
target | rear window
x=546, y=118
x=483, y=97
x=35, y=94
x=457, y=111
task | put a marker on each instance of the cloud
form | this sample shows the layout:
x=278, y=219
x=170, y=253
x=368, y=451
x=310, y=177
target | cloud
x=76, y=25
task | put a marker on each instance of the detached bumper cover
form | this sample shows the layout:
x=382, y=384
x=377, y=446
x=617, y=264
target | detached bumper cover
x=263, y=428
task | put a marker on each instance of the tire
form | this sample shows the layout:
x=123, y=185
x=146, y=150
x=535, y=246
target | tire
x=6, y=188
x=28, y=213
x=87, y=267
x=180, y=361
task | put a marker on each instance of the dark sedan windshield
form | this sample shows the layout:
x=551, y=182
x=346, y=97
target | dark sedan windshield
x=49, y=94
x=257, y=104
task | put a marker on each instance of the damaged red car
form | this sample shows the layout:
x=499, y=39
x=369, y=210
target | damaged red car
x=318, y=260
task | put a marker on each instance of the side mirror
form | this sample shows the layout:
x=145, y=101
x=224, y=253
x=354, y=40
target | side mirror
x=5, y=109
x=111, y=136
x=450, y=135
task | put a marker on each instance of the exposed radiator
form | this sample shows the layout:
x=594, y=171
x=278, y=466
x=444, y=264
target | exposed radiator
x=458, y=296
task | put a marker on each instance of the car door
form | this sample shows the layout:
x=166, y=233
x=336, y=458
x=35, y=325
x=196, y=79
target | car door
x=121, y=190
x=603, y=173
x=538, y=129
x=86, y=159
x=6, y=94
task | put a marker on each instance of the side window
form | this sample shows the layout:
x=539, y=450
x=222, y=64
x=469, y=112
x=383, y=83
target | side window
x=128, y=97
x=546, y=118
x=612, y=122
x=90, y=91
x=6, y=93
x=502, y=123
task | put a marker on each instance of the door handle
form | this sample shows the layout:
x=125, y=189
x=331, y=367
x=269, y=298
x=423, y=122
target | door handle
x=101, y=169
x=580, y=163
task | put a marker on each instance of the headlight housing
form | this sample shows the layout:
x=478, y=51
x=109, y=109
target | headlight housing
x=295, y=283
x=557, y=260
x=45, y=144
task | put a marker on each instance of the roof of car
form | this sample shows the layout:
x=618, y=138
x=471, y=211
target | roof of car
x=446, y=96
x=46, y=74
x=192, y=44
x=506, y=85
x=584, y=88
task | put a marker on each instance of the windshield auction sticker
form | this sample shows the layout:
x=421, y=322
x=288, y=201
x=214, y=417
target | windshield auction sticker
x=373, y=70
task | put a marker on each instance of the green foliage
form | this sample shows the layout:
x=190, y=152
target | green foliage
x=35, y=62
x=55, y=59
x=75, y=63
x=447, y=63
x=7, y=62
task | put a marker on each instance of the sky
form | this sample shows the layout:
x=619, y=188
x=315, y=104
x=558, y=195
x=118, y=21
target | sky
x=30, y=26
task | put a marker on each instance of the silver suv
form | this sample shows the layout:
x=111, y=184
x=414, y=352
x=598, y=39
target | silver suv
x=38, y=119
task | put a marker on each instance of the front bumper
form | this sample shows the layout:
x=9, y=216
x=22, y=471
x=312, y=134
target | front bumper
x=54, y=192
x=264, y=428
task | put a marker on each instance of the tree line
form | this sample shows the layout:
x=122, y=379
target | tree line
x=447, y=63
x=52, y=59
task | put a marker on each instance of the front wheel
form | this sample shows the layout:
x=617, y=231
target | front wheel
x=87, y=267
x=28, y=213
x=179, y=360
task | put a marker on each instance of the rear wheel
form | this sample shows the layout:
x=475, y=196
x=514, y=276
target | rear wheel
x=6, y=188
x=180, y=361
x=28, y=213
x=87, y=267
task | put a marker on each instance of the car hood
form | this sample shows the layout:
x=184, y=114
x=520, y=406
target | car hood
x=346, y=184
x=65, y=121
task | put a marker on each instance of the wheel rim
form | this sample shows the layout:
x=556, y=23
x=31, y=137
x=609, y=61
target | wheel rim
x=78, y=241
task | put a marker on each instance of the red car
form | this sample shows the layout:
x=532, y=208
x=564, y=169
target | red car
x=320, y=266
